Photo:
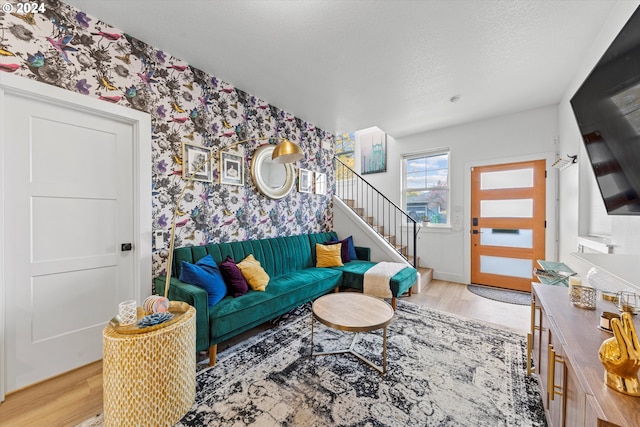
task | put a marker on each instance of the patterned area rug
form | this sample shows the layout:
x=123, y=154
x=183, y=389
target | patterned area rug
x=442, y=371
x=502, y=295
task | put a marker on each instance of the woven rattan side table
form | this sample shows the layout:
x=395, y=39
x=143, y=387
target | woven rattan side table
x=150, y=377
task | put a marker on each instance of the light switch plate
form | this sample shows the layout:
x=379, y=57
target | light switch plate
x=159, y=239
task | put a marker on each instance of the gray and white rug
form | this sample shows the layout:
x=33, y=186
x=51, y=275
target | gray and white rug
x=442, y=371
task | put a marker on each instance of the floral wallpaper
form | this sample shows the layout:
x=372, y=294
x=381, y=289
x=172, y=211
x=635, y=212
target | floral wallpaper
x=63, y=46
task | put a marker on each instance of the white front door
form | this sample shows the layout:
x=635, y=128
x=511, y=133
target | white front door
x=68, y=208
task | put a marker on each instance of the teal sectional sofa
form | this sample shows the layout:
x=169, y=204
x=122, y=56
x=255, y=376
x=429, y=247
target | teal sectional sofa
x=294, y=280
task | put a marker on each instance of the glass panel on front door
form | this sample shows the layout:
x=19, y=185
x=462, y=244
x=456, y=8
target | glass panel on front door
x=506, y=266
x=512, y=238
x=510, y=208
x=518, y=178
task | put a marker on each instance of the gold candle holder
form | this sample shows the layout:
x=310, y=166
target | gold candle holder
x=583, y=297
x=628, y=301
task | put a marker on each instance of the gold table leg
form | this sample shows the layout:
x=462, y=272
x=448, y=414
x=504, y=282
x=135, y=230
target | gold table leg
x=351, y=350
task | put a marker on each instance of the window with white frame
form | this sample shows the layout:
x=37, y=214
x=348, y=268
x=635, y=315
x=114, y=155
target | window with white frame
x=425, y=186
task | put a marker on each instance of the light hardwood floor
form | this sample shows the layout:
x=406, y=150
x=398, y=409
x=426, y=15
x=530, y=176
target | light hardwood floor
x=75, y=396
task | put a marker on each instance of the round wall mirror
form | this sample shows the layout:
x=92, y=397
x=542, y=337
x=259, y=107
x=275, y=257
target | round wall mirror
x=274, y=180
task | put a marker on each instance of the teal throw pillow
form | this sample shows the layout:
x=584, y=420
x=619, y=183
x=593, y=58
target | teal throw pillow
x=206, y=275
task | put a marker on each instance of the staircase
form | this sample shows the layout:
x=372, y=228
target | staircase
x=401, y=248
x=393, y=224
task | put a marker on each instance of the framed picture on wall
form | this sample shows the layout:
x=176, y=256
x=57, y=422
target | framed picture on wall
x=195, y=163
x=231, y=168
x=305, y=181
x=321, y=183
x=373, y=152
x=345, y=152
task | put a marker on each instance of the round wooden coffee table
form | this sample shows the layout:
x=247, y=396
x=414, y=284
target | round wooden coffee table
x=353, y=312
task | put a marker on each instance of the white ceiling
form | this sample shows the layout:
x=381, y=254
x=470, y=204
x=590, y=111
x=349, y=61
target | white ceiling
x=352, y=64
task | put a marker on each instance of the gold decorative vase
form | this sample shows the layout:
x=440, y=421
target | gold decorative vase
x=620, y=356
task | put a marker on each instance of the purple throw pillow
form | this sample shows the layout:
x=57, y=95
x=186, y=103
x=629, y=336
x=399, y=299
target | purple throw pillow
x=351, y=247
x=348, y=249
x=344, y=249
x=233, y=277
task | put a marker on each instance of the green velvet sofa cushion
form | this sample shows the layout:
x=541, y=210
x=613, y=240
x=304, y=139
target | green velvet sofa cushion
x=353, y=276
x=232, y=316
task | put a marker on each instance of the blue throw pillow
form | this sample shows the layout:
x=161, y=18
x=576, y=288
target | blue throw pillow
x=206, y=275
x=348, y=247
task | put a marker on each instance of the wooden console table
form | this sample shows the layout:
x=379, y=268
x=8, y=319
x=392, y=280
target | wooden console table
x=564, y=342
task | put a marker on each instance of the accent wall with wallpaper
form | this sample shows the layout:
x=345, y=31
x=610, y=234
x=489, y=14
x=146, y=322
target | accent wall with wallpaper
x=64, y=47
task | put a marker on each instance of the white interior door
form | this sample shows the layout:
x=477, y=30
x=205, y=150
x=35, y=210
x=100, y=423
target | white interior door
x=68, y=207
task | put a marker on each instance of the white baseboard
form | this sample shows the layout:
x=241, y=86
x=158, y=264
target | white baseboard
x=449, y=277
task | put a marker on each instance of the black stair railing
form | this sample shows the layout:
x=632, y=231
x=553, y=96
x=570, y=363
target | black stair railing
x=381, y=214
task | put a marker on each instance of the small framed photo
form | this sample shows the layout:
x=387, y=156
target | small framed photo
x=305, y=181
x=321, y=183
x=196, y=163
x=231, y=168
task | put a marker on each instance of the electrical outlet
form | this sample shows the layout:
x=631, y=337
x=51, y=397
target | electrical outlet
x=159, y=238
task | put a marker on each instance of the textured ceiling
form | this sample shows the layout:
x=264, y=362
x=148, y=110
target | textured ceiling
x=352, y=64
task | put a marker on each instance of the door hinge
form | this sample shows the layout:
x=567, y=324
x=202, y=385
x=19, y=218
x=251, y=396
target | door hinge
x=545, y=224
x=545, y=173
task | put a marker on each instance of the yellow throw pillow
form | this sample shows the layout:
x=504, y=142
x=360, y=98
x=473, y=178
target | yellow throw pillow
x=254, y=274
x=328, y=255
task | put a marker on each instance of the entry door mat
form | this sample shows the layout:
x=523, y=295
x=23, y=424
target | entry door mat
x=503, y=295
x=442, y=370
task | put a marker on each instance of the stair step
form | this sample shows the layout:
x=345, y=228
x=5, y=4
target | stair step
x=359, y=211
x=402, y=249
x=426, y=275
x=350, y=202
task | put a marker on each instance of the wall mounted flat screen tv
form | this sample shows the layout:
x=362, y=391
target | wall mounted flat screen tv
x=607, y=109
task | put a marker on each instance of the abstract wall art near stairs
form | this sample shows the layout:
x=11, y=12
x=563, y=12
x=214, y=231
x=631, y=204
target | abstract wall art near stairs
x=373, y=152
